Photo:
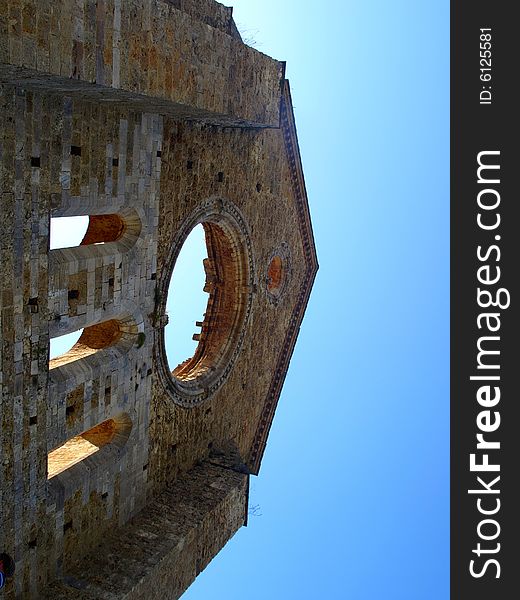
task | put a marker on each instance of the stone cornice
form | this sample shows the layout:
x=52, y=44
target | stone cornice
x=288, y=126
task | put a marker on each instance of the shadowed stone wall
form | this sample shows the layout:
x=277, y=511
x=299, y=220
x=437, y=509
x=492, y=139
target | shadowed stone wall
x=178, y=533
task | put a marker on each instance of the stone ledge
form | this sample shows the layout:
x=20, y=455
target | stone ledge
x=143, y=49
x=166, y=545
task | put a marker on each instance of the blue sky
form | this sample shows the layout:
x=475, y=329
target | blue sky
x=354, y=486
x=353, y=498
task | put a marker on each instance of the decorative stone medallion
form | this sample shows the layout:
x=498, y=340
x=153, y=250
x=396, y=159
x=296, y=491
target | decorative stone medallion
x=278, y=274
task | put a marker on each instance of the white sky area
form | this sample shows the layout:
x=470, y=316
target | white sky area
x=186, y=301
x=67, y=231
x=64, y=343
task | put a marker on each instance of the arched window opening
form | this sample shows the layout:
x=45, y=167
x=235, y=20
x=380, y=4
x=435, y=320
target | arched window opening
x=225, y=272
x=71, y=232
x=187, y=300
x=112, y=432
x=90, y=340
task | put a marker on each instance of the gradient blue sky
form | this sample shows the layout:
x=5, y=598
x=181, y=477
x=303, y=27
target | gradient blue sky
x=354, y=486
x=353, y=496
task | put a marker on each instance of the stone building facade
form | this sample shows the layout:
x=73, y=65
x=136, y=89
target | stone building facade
x=118, y=478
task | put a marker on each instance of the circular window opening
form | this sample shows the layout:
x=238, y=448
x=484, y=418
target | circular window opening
x=215, y=283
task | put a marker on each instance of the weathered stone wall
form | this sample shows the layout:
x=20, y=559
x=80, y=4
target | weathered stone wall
x=257, y=179
x=146, y=51
x=114, y=169
x=177, y=536
x=96, y=118
x=122, y=157
x=209, y=12
x=24, y=352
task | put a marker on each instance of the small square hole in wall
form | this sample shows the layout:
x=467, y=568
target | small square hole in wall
x=33, y=303
x=159, y=154
x=75, y=150
x=220, y=176
x=115, y=162
x=32, y=544
x=73, y=294
x=189, y=164
x=67, y=526
x=111, y=282
x=33, y=420
x=35, y=161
